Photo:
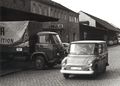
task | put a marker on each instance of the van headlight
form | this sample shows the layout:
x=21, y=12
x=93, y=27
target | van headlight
x=64, y=62
x=90, y=63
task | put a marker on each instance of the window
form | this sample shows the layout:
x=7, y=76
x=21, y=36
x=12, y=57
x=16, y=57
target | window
x=70, y=19
x=59, y=15
x=100, y=49
x=56, y=14
x=44, y=39
x=40, y=10
x=57, y=39
x=104, y=47
x=65, y=17
x=82, y=49
x=49, y=39
x=33, y=7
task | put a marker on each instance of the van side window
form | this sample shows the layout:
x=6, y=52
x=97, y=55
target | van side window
x=100, y=48
x=104, y=47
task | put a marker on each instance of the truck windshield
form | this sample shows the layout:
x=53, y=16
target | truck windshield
x=57, y=39
x=82, y=49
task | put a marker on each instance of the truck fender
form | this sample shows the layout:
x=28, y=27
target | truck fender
x=39, y=53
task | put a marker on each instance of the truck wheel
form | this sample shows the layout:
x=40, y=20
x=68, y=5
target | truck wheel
x=66, y=76
x=39, y=62
x=51, y=65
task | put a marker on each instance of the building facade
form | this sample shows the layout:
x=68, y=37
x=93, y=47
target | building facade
x=23, y=5
x=93, y=28
x=68, y=24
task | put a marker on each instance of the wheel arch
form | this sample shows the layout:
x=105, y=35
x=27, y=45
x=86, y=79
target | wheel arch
x=34, y=55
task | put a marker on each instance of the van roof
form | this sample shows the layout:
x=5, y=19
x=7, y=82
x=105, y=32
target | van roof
x=89, y=41
x=46, y=32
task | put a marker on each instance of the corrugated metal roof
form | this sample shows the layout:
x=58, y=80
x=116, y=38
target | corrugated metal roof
x=104, y=23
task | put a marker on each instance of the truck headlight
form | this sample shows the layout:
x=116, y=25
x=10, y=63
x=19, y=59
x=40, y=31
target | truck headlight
x=19, y=49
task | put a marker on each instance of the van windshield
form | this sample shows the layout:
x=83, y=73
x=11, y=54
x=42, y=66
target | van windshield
x=82, y=49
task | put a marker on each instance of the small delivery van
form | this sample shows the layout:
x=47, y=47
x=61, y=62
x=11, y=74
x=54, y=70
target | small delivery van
x=85, y=57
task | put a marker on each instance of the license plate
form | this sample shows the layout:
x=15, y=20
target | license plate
x=76, y=68
x=18, y=49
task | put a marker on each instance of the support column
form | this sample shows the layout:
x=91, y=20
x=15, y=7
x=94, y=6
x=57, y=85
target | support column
x=0, y=14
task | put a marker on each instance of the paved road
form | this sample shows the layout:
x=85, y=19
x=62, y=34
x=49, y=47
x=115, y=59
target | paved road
x=52, y=77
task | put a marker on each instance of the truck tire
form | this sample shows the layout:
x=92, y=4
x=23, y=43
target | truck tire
x=39, y=62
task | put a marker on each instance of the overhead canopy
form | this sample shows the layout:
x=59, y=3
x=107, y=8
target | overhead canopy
x=8, y=14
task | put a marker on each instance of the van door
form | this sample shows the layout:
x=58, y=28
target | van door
x=105, y=55
x=101, y=57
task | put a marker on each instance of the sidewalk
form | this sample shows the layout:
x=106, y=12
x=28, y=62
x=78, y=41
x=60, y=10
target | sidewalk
x=14, y=67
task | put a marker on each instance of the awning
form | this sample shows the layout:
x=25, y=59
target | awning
x=8, y=14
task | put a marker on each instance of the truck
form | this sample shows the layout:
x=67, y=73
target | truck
x=24, y=41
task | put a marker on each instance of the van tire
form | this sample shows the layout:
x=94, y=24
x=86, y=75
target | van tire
x=39, y=62
x=94, y=75
x=104, y=70
x=66, y=76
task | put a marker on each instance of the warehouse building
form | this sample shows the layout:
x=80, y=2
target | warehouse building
x=43, y=11
x=93, y=28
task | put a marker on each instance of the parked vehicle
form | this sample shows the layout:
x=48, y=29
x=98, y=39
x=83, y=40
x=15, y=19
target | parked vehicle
x=110, y=42
x=85, y=57
x=22, y=43
x=113, y=41
x=118, y=40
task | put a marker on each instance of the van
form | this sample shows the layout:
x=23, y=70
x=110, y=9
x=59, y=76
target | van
x=85, y=58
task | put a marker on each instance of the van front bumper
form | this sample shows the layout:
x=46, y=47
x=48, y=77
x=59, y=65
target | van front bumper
x=77, y=72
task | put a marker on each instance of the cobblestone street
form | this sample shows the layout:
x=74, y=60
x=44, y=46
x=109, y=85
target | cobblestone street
x=53, y=77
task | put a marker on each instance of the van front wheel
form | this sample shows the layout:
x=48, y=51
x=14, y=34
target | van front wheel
x=66, y=76
x=39, y=62
x=104, y=70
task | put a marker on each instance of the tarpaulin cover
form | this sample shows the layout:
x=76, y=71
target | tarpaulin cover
x=11, y=32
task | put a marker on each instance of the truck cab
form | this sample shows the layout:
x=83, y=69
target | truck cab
x=47, y=49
